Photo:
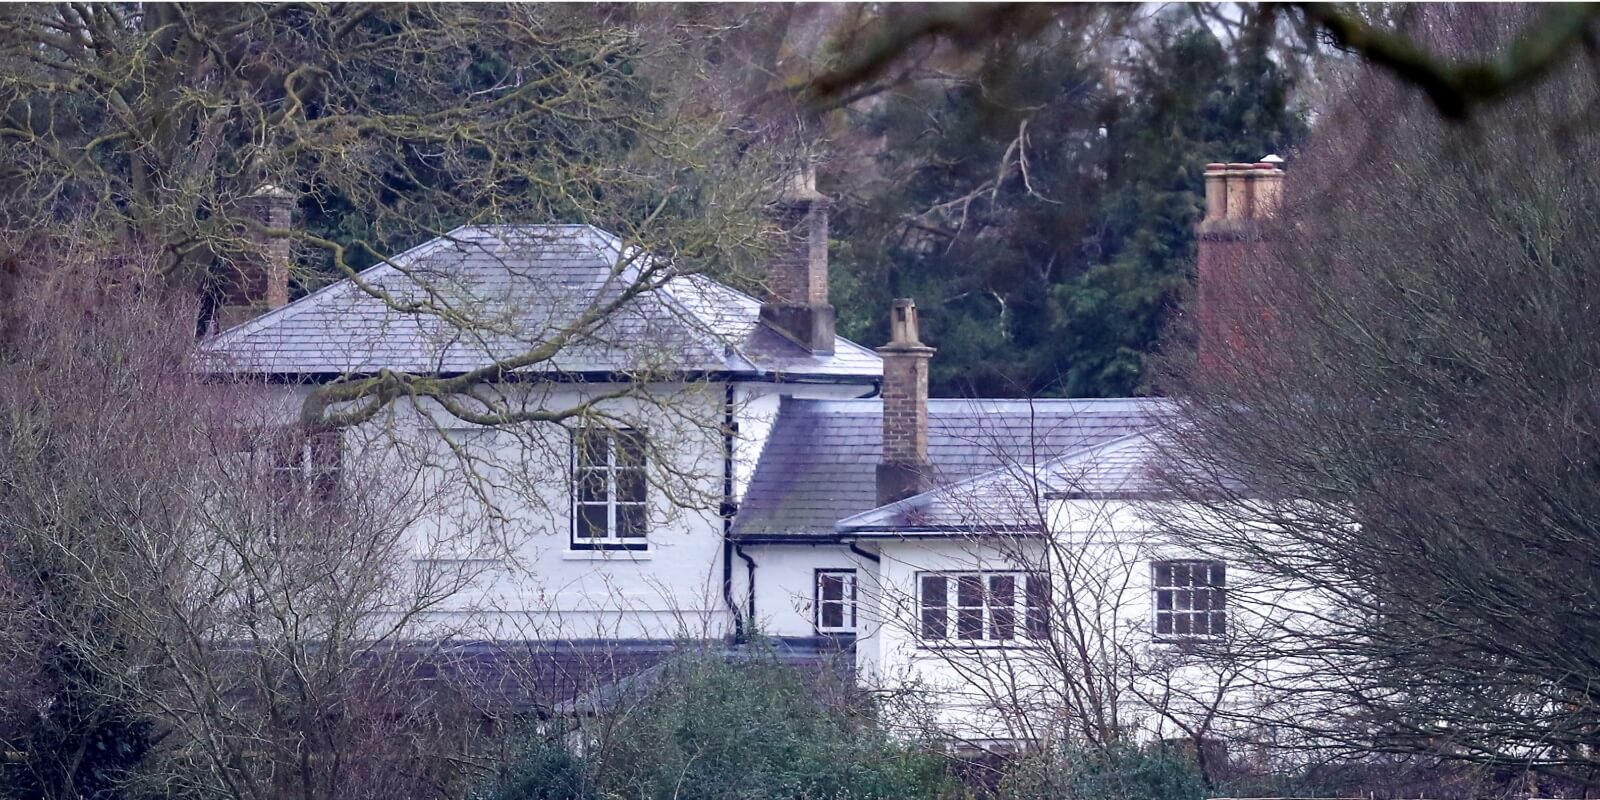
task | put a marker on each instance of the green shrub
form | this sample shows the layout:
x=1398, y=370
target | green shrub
x=707, y=729
x=543, y=770
x=753, y=730
x=1119, y=773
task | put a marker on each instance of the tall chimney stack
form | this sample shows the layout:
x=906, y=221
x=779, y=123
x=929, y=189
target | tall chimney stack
x=904, y=468
x=1239, y=198
x=259, y=281
x=797, y=280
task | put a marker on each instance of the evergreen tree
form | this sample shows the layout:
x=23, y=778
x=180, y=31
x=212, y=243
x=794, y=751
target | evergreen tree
x=1046, y=223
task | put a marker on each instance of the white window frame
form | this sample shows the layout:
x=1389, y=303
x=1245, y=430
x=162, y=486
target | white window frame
x=612, y=540
x=1023, y=615
x=847, y=602
x=1174, y=604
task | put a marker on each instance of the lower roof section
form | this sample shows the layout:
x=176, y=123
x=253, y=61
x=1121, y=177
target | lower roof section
x=819, y=465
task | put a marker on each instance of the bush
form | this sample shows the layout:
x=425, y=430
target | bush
x=543, y=770
x=708, y=729
x=1119, y=773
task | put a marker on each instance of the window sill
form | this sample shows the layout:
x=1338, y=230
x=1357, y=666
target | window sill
x=981, y=646
x=1192, y=641
x=606, y=555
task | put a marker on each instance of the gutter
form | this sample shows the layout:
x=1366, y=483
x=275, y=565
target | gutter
x=594, y=376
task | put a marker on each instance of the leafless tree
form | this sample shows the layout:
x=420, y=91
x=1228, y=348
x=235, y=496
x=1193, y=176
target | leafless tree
x=250, y=610
x=1457, y=84
x=1049, y=632
x=1404, y=433
x=151, y=126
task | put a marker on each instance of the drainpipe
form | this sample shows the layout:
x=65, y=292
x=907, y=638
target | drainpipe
x=728, y=509
x=750, y=580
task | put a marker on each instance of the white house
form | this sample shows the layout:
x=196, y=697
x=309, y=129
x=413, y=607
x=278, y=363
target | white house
x=700, y=464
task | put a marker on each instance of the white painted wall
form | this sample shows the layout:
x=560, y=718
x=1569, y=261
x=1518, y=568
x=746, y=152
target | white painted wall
x=493, y=512
x=786, y=582
x=506, y=533
x=1099, y=555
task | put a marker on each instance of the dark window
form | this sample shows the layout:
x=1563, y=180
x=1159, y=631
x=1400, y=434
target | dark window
x=309, y=466
x=935, y=612
x=1190, y=599
x=610, y=497
x=836, y=600
x=1002, y=607
x=982, y=607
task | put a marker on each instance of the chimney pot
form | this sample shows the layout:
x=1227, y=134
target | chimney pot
x=1216, y=194
x=1237, y=177
x=1267, y=188
x=903, y=327
x=1229, y=237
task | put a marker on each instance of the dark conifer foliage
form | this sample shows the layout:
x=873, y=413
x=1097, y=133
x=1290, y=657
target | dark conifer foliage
x=1045, y=220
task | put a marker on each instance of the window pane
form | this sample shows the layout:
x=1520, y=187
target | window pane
x=1038, y=606
x=591, y=486
x=969, y=591
x=1219, y=573
x=632, y=520
x=591, y=522
x=1003, y=590
x=630, y=486
x=1180, y=624
x=969, y=614
x=1219, y=623
x=935, y=619
x=830, y=587
x=1202, y=599
x=1164, y=599
x=1002, y=607
x=832, y=615
x=630, y=449
x=969, y=623
x=1164, y=622
x=591, y=447
x=1180, y=575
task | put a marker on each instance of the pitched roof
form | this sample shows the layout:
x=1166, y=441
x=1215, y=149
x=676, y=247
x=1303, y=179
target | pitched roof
x=515, y=285
x=1009, y=497
x=819, y=463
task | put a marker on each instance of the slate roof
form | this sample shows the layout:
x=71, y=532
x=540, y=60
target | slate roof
x=516, y=284
x=579, y=677
x=819, y=463
x=1007, y=498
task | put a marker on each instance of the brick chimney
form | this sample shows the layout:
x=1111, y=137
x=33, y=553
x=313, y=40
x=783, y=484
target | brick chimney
x=904, y=468
x=1239, y=197
x=258, y=281
x=797, y=280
